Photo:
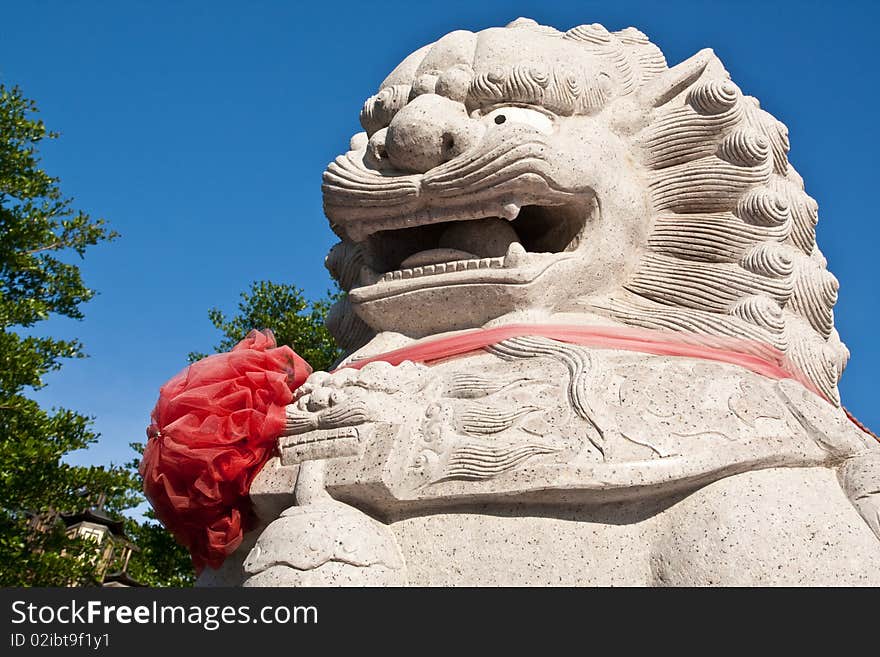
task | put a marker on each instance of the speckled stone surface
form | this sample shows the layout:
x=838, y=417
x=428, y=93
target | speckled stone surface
x=791, y=527
x=530, y=546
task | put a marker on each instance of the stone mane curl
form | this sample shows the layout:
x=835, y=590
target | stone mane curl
x=732, y=250
x=733, y=247
x=629, y=60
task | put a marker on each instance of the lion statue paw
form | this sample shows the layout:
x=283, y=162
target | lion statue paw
x=325, y=543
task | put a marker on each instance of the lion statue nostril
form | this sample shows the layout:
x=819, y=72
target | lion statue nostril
x=448, y=146
x=375, y=148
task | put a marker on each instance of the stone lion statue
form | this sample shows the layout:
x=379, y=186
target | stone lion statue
x=632, y=364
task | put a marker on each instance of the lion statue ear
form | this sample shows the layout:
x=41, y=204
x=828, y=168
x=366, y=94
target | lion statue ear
x=673, y=81
x=637, y=110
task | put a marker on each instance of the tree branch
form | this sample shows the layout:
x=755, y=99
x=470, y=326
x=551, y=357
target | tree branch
x=48, y=247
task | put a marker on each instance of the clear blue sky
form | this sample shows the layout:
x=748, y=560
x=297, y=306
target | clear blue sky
x=200, y=131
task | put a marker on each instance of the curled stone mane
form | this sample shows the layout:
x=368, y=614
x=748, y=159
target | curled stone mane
x=732, y=243
x=733, y=247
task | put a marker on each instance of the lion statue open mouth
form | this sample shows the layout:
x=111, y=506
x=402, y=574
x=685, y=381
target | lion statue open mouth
x=655, y=400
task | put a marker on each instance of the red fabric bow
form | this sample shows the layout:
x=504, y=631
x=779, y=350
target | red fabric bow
x=212, y=429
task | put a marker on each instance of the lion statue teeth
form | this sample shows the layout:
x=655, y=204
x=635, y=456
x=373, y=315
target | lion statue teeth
x=528, y=176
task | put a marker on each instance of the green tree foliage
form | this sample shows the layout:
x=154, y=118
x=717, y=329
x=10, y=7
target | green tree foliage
x=41, y=233
x=293, y=319
x=161, y=561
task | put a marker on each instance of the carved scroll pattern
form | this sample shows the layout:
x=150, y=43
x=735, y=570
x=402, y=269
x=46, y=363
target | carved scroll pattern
x=480, y=428
x=578, y=363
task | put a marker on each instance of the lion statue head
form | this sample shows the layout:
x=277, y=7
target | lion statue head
x=524, y=172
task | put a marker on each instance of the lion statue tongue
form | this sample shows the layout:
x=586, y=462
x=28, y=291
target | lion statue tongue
x=464, y=240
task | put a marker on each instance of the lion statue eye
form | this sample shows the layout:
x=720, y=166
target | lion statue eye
x=532, y=118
